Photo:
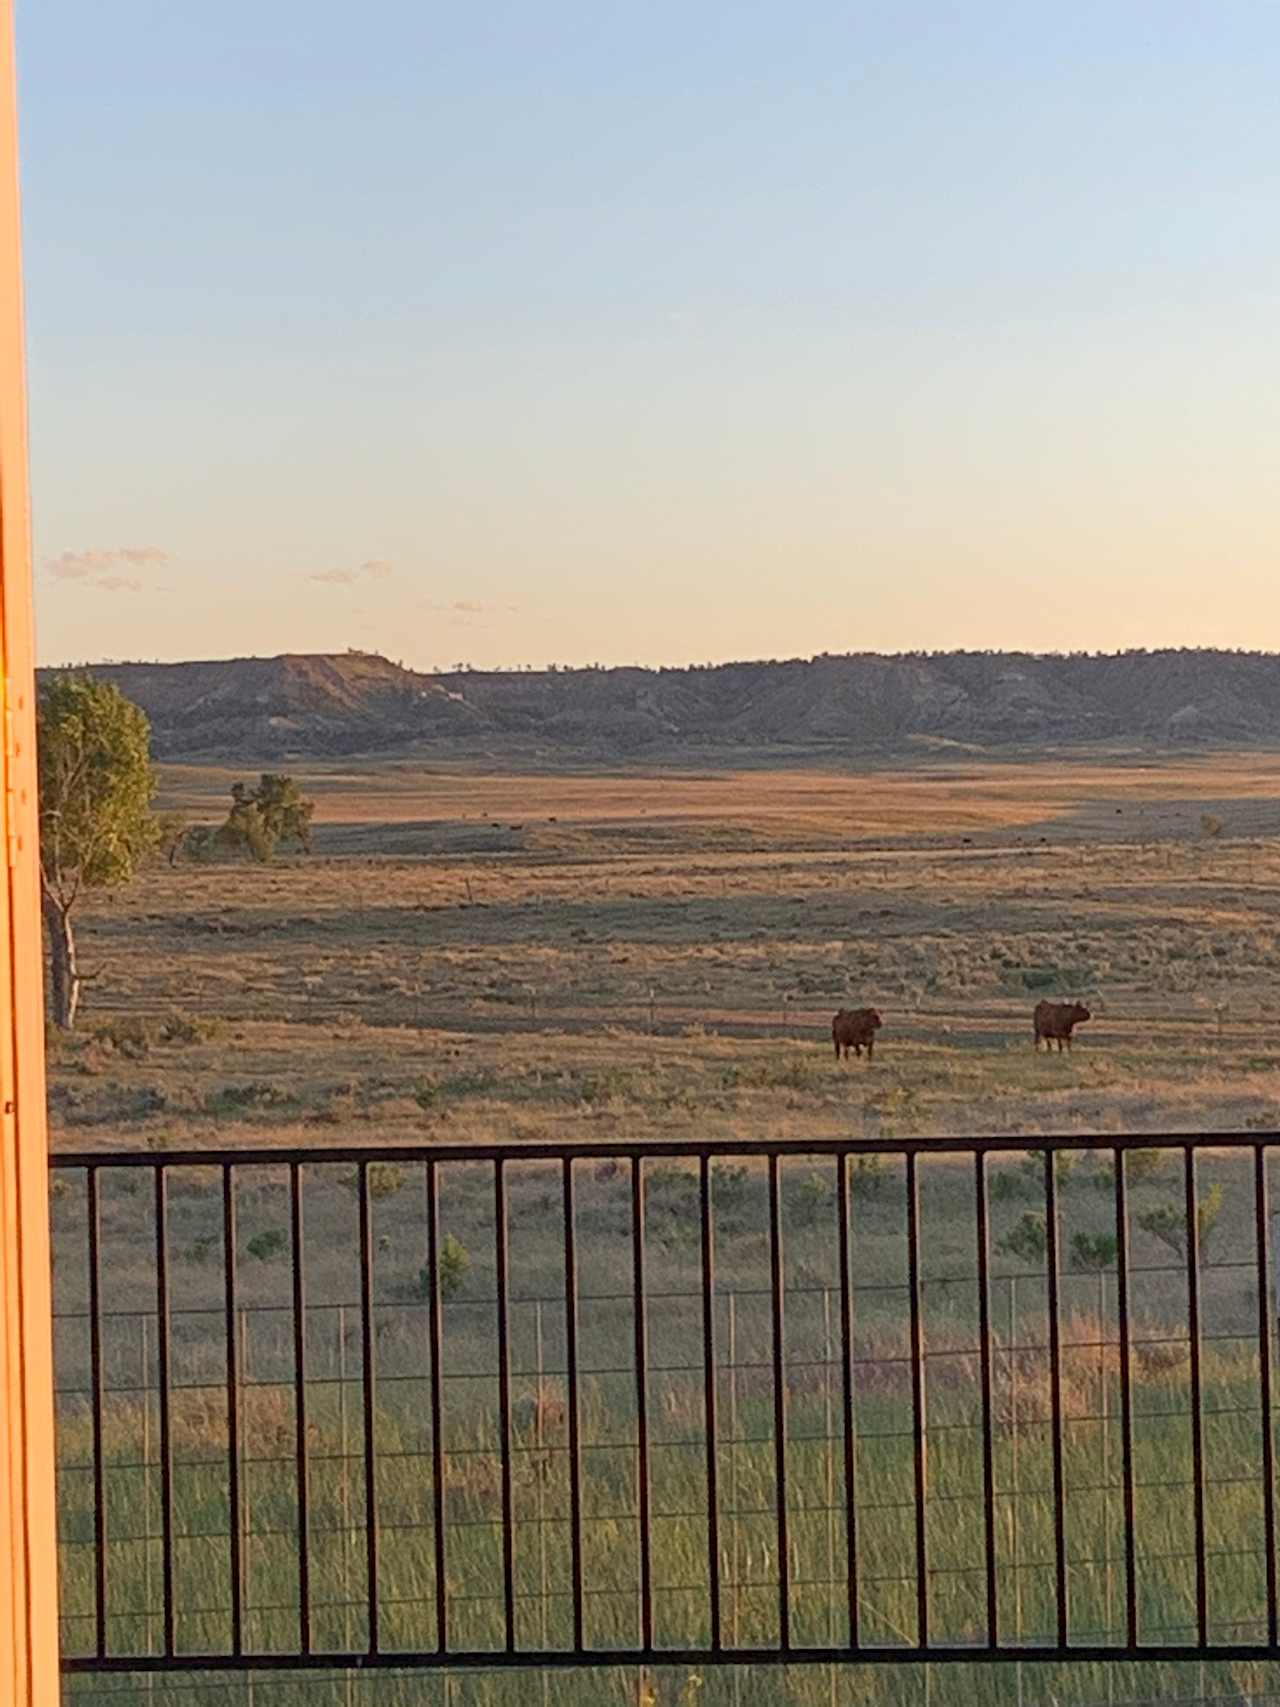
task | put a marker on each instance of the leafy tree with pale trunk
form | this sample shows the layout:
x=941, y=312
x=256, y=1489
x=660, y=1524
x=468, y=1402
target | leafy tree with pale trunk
x=96, y=788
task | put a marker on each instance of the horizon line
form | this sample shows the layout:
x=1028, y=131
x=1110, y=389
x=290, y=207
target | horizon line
x=598, y=667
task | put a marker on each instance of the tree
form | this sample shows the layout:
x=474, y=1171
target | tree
x=262, y=817
x=96, y=788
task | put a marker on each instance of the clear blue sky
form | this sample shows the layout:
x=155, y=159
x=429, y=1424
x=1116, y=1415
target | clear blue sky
x=511, y=333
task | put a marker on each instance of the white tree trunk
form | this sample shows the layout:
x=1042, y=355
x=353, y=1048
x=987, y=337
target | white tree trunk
x=64, y=973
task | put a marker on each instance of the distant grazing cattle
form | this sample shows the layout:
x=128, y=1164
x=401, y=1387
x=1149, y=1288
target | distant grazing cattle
x=855, y=1028
x=1055, y=1021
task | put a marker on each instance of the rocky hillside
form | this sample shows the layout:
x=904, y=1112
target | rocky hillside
x=250, y=708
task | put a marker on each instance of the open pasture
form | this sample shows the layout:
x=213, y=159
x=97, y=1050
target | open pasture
x=633, y=954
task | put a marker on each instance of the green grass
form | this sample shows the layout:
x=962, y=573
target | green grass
x=745, y=1459
x=1024, y=1539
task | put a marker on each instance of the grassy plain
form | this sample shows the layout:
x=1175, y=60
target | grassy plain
x=585, y=956
x=474, y=958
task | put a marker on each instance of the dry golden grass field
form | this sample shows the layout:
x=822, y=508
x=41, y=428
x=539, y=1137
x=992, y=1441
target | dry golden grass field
x=644, y=956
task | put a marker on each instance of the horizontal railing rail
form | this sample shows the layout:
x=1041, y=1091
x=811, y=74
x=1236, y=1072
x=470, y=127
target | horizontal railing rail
x=873, y=1400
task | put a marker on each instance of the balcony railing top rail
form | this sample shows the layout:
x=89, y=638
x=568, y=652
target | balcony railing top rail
x=731, y=1149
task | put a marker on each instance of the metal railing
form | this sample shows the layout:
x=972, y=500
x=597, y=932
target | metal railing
x=890, y=1401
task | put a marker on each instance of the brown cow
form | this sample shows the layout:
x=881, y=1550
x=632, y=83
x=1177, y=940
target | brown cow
x=855, y=1028
x=1055, y=1021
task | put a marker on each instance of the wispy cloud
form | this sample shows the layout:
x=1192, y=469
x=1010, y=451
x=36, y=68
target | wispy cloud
x=468, y=607
x=119, y=584
x=372, y=569
x=98, y=562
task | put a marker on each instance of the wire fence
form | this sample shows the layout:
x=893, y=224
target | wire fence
x=655, y=1011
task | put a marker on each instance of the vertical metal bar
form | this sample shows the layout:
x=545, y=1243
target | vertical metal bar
x=504, y=1401
x=166, y=1434
x=574, y=1405
x=1126, y=1402
x=1262, y=1238
x=846, y=1393
x=984, y=1357
x=96, y=1401
x=1052, y=1283
x=370, y=1413
x=917, y=1400
x=709, y=1390
x=1197, y=1423
x=641, y=1325
x=436, y=1331
x=300, y=1410
x=779, y=1406
x=233, y=1407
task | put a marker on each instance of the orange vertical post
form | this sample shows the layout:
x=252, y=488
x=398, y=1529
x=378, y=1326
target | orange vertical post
x=28, y=1545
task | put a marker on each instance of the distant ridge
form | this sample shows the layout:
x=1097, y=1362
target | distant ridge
x=350, y=702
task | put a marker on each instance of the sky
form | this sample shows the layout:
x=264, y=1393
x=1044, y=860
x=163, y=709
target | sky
x=658, y=332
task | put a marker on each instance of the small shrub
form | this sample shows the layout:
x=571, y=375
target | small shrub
x=1028, y=1240
x=1092, y=1252
x=201, y=843
x=811, y=1200
x=340, y=1106
x=385, y=1180
x=1005, y=1186
x=127, y=1103
x=1168, y=1223
x=267, y=1246
x=869, y=1177
x=673, y=1194
x=130, y=1038
x=247, y=1099
x=1031, y=1168
x=606, y=1086
x=730, y=1188
x=477, y=1083
x=1141, y=1167
x=1039, y=977
x=454, y=1264
x=191, y=1028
